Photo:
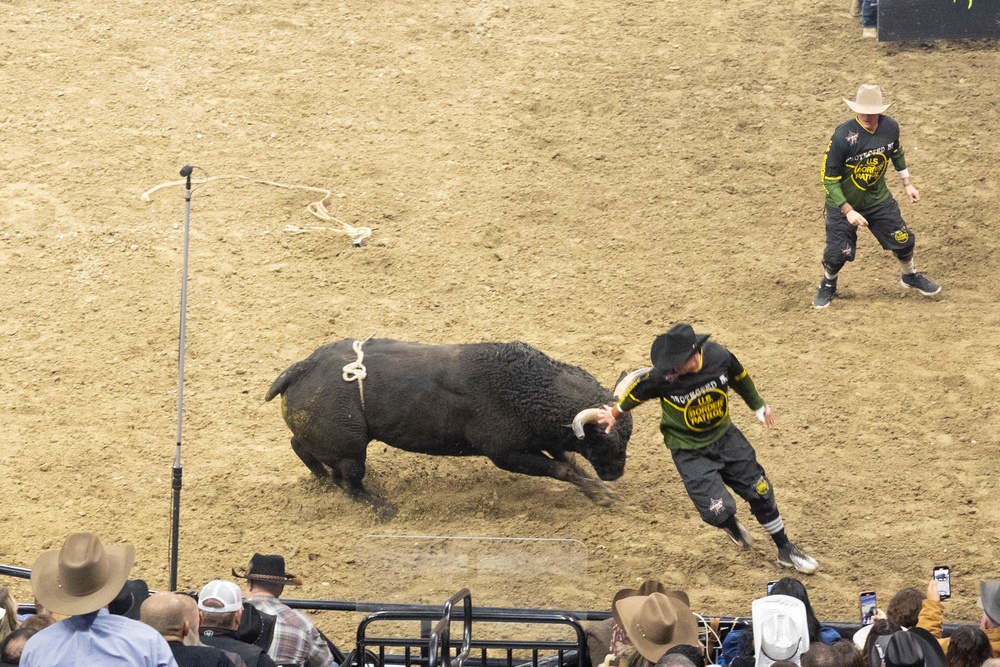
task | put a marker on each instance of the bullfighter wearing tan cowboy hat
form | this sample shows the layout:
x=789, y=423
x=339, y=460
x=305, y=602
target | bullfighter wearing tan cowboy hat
x=854, y=167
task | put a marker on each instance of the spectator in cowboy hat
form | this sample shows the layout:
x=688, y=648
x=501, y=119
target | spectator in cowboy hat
x=796, y=589
x=79, y=580
x=606, y=638
x=130, y=599
x=910, y=648
x=296, y=639
x=655, y=623
x=931, y=616
x=780, y=629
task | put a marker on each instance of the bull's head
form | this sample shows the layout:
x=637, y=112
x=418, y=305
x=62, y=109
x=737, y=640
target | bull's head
x=605, y=451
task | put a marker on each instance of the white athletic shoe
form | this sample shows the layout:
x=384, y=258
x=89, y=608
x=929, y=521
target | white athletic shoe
x=792, y=556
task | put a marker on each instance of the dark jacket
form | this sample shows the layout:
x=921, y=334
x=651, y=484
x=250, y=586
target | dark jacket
x=227, y=640
x=198, y=656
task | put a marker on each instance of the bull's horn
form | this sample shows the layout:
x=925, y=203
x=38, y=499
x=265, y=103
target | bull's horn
x=626, y=381
x=588, y=416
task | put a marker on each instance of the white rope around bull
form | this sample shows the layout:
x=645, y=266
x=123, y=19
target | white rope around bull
x=356, y=370
x=317, y=208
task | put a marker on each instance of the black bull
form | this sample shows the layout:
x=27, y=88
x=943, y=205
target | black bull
x=508, y=402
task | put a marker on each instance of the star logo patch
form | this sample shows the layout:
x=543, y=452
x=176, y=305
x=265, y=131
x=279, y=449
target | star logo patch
x=716, y=505
x=852, y=138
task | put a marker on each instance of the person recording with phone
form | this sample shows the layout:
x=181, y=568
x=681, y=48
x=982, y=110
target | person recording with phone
x=903, y=610
x=932, y=612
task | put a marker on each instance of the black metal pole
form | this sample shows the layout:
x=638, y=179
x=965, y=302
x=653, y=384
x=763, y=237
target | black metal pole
x=175, y=522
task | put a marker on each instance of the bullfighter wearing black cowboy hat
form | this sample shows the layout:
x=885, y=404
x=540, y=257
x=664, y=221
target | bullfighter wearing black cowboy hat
x=691, y=378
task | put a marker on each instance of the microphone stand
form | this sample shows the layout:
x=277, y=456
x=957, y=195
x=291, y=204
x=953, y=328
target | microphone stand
x=177, y=468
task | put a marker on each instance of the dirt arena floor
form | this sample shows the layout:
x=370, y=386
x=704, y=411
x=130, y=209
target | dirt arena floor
x=576, y=175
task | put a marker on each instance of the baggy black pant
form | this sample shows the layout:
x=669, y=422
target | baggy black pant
x=729, y=461
x=885, y=222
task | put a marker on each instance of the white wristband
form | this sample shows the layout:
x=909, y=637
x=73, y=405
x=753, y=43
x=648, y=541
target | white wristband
x=904, y=174
x=760, y=413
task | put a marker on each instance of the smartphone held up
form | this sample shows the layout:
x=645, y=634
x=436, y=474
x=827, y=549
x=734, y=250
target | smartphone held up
x=942, y=577
x=869, y=607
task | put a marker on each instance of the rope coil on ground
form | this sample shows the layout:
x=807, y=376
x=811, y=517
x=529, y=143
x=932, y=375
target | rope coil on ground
x=356, y=370
x=317, y=208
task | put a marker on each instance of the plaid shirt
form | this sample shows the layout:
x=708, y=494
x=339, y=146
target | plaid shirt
x=296, y=639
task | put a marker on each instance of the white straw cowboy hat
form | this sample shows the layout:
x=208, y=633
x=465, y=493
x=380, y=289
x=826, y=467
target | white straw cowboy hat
x=868, y=100
x=82, y=576
x=780, y=630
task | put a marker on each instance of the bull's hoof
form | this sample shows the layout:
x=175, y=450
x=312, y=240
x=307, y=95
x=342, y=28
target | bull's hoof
x=600, y=493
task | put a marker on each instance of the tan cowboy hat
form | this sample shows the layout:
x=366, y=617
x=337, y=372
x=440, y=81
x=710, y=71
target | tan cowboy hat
x=868, y=100
x=645, y=588
x=655, y=623
x=82, y=576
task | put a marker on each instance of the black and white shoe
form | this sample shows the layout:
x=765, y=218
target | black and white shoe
x=825, y=293
x=921, y=283
x=792, y=556
x=742, y=537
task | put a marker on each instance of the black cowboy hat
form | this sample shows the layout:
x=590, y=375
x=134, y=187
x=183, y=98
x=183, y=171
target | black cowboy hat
x=269, y=569
x=908, y=649
x=256, y=627
x=672, y=349
x=129, y=599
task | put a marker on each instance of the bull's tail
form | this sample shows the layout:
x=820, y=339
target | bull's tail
x=290, y=375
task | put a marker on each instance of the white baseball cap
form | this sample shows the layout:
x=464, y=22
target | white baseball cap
x=225, y=592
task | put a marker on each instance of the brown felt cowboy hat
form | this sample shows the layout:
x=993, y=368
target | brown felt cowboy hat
x=645, y=588
x=82, y=576
x=672, y=349
x=868, y=100
x=269, y=569
x=655, y=623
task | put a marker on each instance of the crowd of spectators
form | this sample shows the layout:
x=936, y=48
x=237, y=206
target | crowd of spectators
x=651, y=627
x=88, y=611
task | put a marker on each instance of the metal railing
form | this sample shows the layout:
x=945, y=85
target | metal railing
x=430, y=644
